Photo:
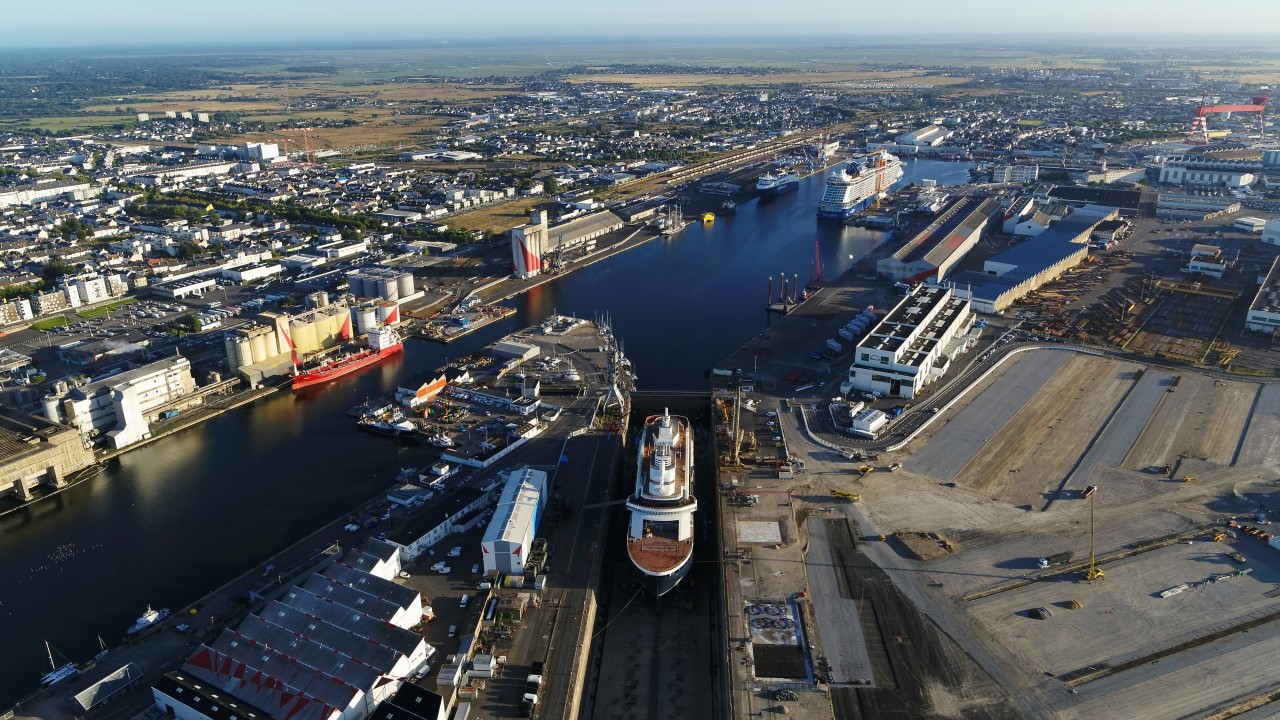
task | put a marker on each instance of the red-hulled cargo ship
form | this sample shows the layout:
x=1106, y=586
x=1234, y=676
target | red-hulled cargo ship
x=383, y=343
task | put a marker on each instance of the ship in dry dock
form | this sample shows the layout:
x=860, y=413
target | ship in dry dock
x=660, y=531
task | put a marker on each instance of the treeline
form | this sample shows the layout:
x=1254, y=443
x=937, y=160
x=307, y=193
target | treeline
x=36, y=84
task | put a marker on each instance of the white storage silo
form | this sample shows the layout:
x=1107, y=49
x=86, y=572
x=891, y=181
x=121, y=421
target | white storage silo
x=388, y=289
x=366, y=319
x=406, y=284
x=385, y=310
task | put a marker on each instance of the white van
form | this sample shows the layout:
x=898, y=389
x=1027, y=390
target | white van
x=453, y=631
x=466, y=599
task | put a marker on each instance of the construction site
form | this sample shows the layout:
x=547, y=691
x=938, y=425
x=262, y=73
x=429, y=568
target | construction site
x=1060, y=467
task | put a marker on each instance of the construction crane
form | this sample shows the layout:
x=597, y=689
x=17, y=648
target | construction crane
x=308, y=146
x=1094, y=572
x=1199, y=134
x=880, y=188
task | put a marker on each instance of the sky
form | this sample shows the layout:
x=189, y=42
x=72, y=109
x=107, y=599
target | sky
x=166, y=22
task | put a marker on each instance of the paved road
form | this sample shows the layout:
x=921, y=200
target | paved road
x=839, y=626
x=973, y=426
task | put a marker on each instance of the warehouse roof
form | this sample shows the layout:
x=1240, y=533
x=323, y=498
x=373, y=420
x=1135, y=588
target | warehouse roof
x=411, y=702
x=355, y=599
x=289, y=628
x=433, y=514
x=517, y=512
x=402, y=596
x=318, y=611
x=1125, y=199
x=210, y=701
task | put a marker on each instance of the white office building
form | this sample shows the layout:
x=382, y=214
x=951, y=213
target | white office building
x=913, y=345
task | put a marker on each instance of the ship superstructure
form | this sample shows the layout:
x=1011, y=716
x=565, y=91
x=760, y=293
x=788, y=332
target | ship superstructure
x=853, y=188
x=383, y=343
x=660, y=531
x=770, y=184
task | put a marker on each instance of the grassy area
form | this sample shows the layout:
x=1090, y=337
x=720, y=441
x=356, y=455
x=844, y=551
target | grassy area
x=69, y=123
x=496, y=218
x=52, y=323
x=1030, y=123
x=97, y=312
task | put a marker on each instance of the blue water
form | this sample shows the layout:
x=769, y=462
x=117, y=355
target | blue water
x=171, y=521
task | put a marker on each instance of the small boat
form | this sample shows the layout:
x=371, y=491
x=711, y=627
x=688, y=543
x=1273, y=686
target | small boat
x=729, y=207
x=149, y=618
x=709, y=217
x=102, y=650
x=57, y=674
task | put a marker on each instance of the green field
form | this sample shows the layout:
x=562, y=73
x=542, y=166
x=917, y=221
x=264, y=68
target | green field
x=52, y=323
x=101, y=310
x=1031, y=123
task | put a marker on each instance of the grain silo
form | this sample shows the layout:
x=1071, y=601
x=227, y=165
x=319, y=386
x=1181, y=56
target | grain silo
x=243, y=351
x=258, y=344
x=303, y=333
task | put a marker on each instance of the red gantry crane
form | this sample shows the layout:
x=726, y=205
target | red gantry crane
x=1199, y=134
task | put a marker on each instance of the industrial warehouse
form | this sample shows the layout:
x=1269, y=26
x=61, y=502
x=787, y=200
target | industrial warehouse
x=331, y=648
x=932, y=253
x=509, y=536
x=535, y=247
x=1012, y=274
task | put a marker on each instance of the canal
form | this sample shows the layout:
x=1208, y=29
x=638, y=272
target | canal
x=167, y=523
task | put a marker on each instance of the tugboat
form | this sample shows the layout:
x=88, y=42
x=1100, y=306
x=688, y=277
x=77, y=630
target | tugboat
x=729, y=207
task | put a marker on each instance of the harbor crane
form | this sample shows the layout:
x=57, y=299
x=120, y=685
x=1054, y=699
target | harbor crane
x=1199, y=134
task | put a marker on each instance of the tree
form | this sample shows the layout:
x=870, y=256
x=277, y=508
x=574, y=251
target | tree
x=550, y=185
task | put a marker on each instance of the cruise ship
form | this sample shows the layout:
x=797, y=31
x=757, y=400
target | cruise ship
x=770, y=184
x=660, y=532
x=851, y=189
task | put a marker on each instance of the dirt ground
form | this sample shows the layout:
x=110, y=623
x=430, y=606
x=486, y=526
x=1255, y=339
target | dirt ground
x=1203, y=418
x=1164, y=649
x=1038, y=447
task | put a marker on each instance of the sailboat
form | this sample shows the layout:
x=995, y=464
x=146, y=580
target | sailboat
x=57, y=674
x=102, y=650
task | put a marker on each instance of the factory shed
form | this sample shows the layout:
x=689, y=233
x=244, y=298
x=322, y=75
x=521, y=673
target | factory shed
x=936, y=249
x=1126, y=201
x=1020, y=270
x=509, y=537
x=437, y=519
